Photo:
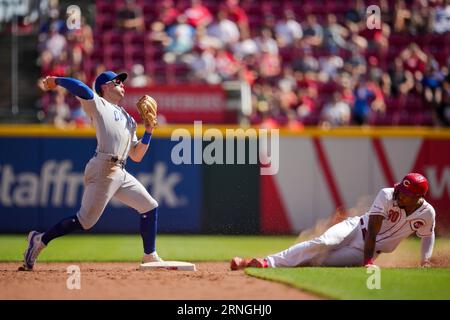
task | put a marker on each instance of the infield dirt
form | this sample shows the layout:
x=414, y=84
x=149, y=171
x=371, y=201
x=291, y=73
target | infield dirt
x=211, y=281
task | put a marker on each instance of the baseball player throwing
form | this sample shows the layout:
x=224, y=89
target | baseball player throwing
x=105, y=175
x=395, y=214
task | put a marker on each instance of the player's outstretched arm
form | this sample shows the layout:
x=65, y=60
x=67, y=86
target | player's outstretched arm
x=74, y=86
x=369, y=243
x=427, y=250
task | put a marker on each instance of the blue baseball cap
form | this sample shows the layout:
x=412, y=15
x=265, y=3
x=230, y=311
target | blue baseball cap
x=107, y=76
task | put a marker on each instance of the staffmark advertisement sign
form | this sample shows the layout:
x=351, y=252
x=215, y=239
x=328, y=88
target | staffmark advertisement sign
x=43, y=183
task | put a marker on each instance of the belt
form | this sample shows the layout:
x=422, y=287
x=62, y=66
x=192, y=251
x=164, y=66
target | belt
x=364, y=231
x=110, y=158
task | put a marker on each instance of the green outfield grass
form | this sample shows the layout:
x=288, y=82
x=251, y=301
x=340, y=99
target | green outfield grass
x=351, y=283
x=93, y=247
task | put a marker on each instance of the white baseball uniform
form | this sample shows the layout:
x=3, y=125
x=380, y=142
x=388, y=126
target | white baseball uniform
x=105, y=176
x=343, y=243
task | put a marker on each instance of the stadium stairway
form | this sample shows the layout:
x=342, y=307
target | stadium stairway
x=28, y=73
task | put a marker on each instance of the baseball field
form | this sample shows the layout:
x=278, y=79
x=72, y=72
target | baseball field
x=109, y=270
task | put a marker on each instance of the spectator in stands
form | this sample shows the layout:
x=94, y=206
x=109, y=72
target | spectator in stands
x=287, y=30
x=377, y=104
x=334, y=35
x=45, y=62
x=269, y=65
x=168, y=13
x=245, y=47
x=204, y=66
x=262, y=104
x=55, y=43
x=432, y=84
x=58, y=112
x=138, y=77
x=268, y=106
x=238, y=15
x=356, y=14
x=60, y=66
x=226, y=65
x=287, y=97
x=362, y=105
x=307, y=102
x=248, y=71
x=403, y=17
x=158, y=33
x=223, y=29
x=266, y=42
x=422, y=18
x=130, y=17
x=414, y=60
x=336, y=112
x=313, y=31
x=356, y=65
x=80, y=42
x=182, y=36
x=78, y=116
x=330, y=67
x=402, y=81
x=198, y=15
x=307, y=63
x=441, y=17
x=356, y=43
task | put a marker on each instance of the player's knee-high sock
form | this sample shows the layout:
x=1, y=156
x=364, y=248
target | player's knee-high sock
x=149, y=223
x=63, y=227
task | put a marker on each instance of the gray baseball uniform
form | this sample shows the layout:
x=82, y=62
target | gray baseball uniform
x=105, y=177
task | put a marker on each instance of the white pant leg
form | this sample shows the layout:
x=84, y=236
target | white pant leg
x=344, y=257
x=314, y=251
x=101, y=180
x=133, y=194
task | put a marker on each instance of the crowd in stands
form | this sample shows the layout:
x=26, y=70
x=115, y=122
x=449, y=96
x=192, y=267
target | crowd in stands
x=309, y=62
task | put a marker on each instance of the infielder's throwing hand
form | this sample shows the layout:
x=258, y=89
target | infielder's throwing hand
x=49, y=83
x=395, y=214
x=105, y=174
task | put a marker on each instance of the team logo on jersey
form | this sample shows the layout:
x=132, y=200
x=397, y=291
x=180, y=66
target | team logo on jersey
x=417, y=224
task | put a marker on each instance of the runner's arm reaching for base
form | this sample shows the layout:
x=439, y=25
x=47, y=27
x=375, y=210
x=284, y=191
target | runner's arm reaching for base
x=427, y=250
x=373, y=228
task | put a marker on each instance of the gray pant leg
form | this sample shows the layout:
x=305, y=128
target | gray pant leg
x=133, y=194
x=101, y=182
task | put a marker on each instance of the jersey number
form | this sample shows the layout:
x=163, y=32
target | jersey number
x=393, y=215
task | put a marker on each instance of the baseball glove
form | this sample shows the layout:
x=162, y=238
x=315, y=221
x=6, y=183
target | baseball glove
x=148, y=108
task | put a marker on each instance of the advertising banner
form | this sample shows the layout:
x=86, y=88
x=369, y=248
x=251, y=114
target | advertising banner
x=182, y=104
x=41, y=182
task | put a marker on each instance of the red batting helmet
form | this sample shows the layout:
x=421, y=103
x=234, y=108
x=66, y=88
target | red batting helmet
x=413, y=184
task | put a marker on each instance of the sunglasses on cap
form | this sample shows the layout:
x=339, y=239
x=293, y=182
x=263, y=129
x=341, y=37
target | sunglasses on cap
x=116, y=82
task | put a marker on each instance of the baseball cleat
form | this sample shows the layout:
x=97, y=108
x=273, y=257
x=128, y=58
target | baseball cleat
x=258, y=263
x=238, y=263
x=30, y=255
x=151, y=257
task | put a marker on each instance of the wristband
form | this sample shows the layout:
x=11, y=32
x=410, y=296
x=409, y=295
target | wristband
x=146, y=138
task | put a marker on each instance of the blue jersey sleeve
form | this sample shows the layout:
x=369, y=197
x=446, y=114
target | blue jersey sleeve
x=76, y=87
